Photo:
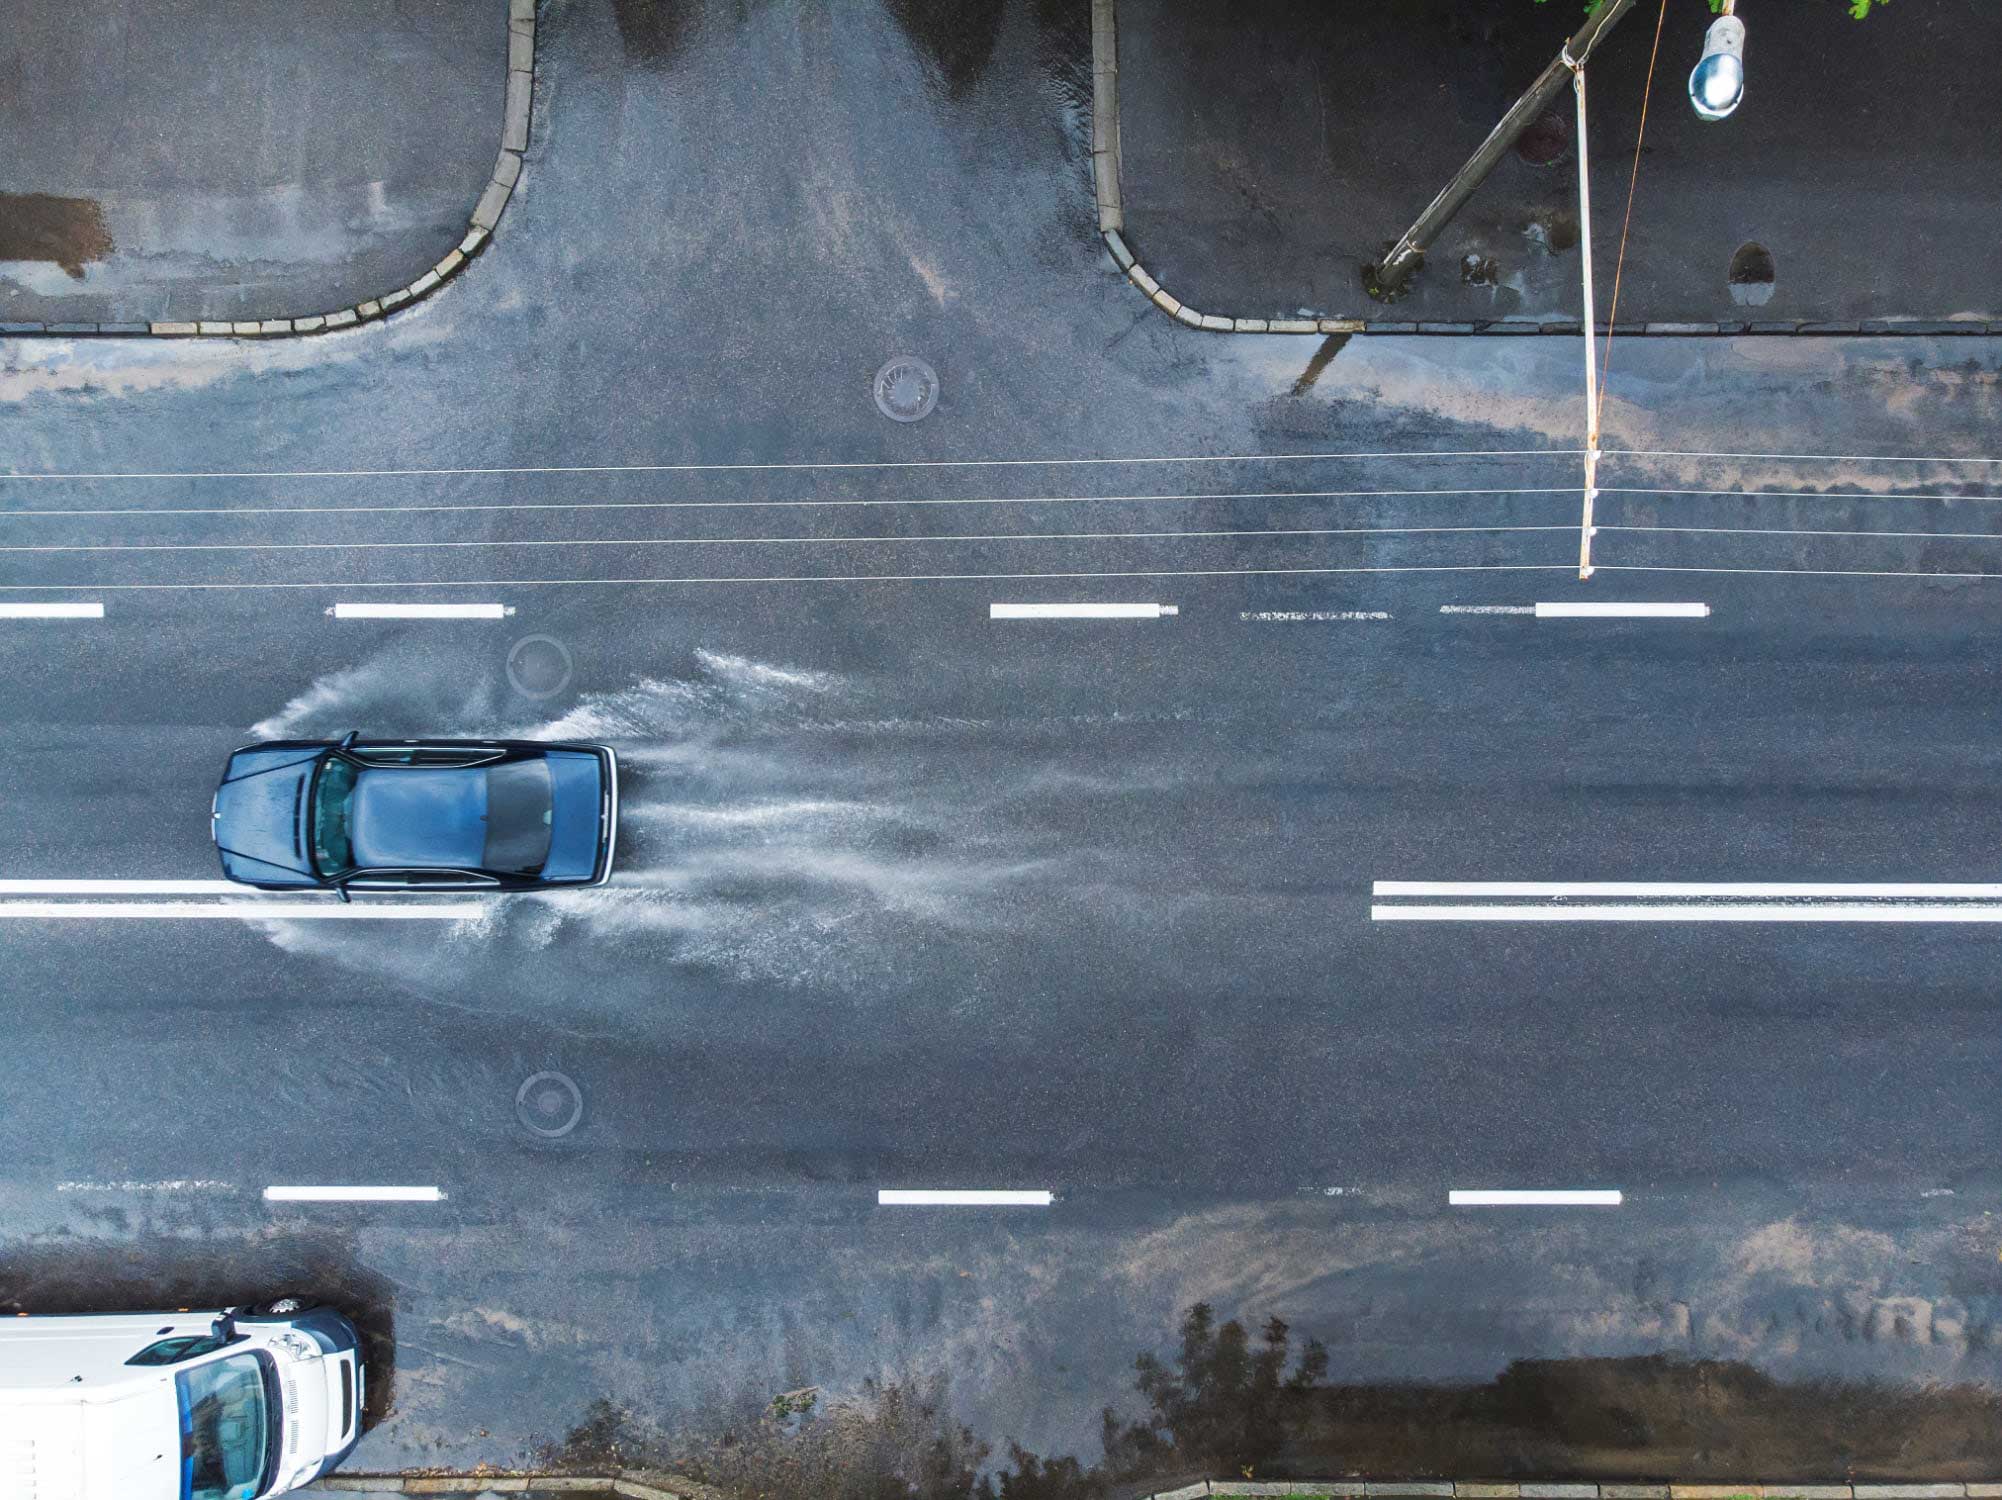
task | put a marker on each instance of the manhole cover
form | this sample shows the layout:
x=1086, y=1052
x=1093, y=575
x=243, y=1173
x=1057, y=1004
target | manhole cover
x=538, y=666
x=549, y=1104
x=906, y=389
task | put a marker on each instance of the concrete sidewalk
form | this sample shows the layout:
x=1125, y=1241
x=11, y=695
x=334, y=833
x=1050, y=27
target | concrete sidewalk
x=1270, y=149
x=232, y=159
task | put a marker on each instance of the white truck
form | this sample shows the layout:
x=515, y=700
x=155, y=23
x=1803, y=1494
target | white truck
x=232, y=1404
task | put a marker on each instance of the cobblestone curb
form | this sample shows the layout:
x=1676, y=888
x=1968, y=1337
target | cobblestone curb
x=1358, y=1489
x=479, y=229
x=1112, y=225
x=653, y=1486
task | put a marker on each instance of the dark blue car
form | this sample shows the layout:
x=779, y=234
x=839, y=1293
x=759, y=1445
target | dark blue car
x=402, y=815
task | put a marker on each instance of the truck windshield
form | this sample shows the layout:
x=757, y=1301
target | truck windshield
x=225, y=1429
x=333, y=795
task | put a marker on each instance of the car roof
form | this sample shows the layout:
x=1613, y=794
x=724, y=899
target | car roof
x=419, y=818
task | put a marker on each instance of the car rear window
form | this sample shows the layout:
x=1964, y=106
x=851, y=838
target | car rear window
x=518, y=808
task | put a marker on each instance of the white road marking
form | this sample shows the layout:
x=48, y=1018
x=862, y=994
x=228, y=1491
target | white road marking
x=420, y=611
x=1771, y=890
x=1080, y=611
x=1597, y=610
x=1519, y=1197
x=234, y=911
x=1207, y=534
x=1487, y=609
x=177, y=1185
x=52, y=610
x=142, y=888
x=353, y=1195
x=963, y=1198
x=792, y=578
x=1316, y=616
x=1773, y=912
x=803, y=464
x=1435, y=492
x=1812, y=458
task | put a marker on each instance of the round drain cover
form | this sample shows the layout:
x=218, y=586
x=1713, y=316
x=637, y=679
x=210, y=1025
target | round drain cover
x=549, y=1104
x=906, y=389
x=538, y=666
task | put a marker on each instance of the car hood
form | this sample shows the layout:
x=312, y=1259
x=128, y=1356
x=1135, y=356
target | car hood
x=259, y=816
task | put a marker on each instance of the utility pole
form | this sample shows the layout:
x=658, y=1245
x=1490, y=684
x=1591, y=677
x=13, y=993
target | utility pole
x=1387, y=279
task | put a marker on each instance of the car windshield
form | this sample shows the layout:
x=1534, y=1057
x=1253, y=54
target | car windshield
x=333, y=796
x=518, y=810
x=225, y=1429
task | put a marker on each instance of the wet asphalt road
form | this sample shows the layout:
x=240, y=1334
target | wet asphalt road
x=911, y=897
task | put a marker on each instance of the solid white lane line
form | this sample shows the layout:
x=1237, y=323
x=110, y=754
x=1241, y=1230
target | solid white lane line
x=1487, y=609
x=352, y=1195
x=790, y=578
x=801, y=465
x=1207, y=534
x=1317, y=616
x=1617, y=489
x=1738, y=913
x=234, y=911
x=1079, y=611
x=1439, y=492
x=962, y=1198
x=1754, y=889
x=420, y=611
x=1812, y=458
x=131, y=888
x=1527, y=1197
x=52, y=610
x=1607, y=611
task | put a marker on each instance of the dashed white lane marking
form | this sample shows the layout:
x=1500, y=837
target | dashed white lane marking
x=1080, y=611
x=1315, y=616
x=1778, y=890
x=53, y=610
x=1531, y=1197
x=234, y=911
x=1750, y=912
x=353, y=1195
x=419, y=611
x=1603, y=610
x=175, y=1185
x=1487, y=609
x=963, y=1198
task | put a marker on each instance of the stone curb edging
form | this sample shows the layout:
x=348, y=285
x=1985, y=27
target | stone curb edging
x=1105, y=163
x=479, y=229
x=1319, y=1489
x=1357, y=1489
x=501, y=1484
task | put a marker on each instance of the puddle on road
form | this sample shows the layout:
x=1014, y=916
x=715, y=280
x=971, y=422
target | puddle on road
x=958, y=40
x=1323, y=357
x=68, y=232
x=1752, y=275
x=1235, y=1400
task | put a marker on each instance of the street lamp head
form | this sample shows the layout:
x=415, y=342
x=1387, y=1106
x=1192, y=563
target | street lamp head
x=1717, y=83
